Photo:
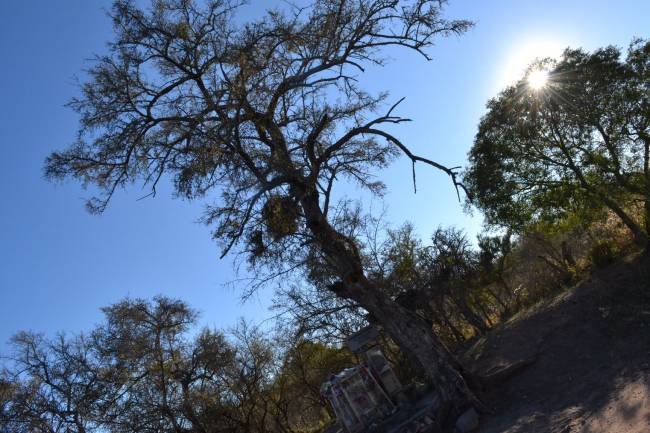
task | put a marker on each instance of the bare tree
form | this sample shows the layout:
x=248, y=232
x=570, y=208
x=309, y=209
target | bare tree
x=140, y=371
x=270, y=114
x=55, y=386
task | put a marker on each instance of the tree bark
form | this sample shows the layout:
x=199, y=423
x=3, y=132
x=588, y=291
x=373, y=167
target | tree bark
x=415, y=337
x=410, y=332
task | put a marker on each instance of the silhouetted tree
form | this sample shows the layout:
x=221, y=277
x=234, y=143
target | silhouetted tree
x=492, y=256
x=141, y=371
x=270, y=114
x=582, y=139
x=56, y=386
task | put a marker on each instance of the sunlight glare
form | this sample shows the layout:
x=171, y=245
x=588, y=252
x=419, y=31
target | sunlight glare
x=537, y=79
x=525, y=53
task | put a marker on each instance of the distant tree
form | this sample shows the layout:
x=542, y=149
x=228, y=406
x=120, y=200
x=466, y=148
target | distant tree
x=581, y=141
x=137, y=372
x=270, y=114
x=492, y=257
x=307, y=365
x=141, y=371
x=436, y=279
x=162, y=380
x=56, y=386
x=452, y=266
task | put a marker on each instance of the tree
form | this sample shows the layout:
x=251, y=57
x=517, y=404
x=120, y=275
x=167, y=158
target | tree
x=306, y=366
x=269, y=114
x=581, y=141
x=432, y=279
x=492, y=256
x=135, y=372
x=162, y=381
x=55, y=387
x=140, y=371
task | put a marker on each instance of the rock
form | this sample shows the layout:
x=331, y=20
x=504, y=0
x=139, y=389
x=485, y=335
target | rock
x=468, y=421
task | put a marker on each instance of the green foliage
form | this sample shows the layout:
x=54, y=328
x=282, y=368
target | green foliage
x=435, y=280
x=577, y=145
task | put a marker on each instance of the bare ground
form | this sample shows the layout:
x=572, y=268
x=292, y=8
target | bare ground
x=582, y=360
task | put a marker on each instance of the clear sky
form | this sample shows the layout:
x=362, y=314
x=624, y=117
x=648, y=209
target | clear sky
x=59, y=265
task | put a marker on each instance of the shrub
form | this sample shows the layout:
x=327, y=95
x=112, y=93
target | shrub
x=603, y=252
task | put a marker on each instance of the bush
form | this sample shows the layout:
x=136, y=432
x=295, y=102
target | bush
x=603, y=252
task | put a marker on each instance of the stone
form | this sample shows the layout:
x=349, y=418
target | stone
x=468, y=421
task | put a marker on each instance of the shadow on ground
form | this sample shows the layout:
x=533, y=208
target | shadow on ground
x=587, y=354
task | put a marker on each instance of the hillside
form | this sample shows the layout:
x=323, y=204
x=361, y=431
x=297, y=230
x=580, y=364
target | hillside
x=584, y=359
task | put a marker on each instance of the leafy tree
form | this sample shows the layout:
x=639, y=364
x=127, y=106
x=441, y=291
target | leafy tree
x=141, y=371
x=439, y=275
x=135, y=372
x=307, y=365
x=492, y=257
x=582, y=141
x=270, y=115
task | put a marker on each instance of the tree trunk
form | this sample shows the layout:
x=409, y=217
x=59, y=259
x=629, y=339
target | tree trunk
x=640, y=237
x=410, y=332
x=415, y=337
x=470, y=316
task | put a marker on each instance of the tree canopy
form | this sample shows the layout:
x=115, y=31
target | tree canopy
x=140, y=370
x=580, y=141
x=255, y=112
x=268, y=115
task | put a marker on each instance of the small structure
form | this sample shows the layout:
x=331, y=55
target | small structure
x=364, y=394
x=357, y=398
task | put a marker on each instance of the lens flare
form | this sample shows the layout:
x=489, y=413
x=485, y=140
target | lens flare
x=537, y=80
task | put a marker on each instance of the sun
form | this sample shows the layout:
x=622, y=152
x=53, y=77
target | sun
x=522, y=54
x=537, y=79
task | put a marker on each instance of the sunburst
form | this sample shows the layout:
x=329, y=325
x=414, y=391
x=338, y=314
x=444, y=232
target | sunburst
x=537, y=79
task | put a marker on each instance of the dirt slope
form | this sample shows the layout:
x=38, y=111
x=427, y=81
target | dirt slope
x=585, y=357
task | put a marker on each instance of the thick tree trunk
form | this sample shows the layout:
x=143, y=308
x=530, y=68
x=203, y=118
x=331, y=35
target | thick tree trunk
x=415, y=337
x=410, y=332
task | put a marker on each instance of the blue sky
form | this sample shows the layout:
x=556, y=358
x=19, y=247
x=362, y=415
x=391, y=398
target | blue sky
x=59, y=265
